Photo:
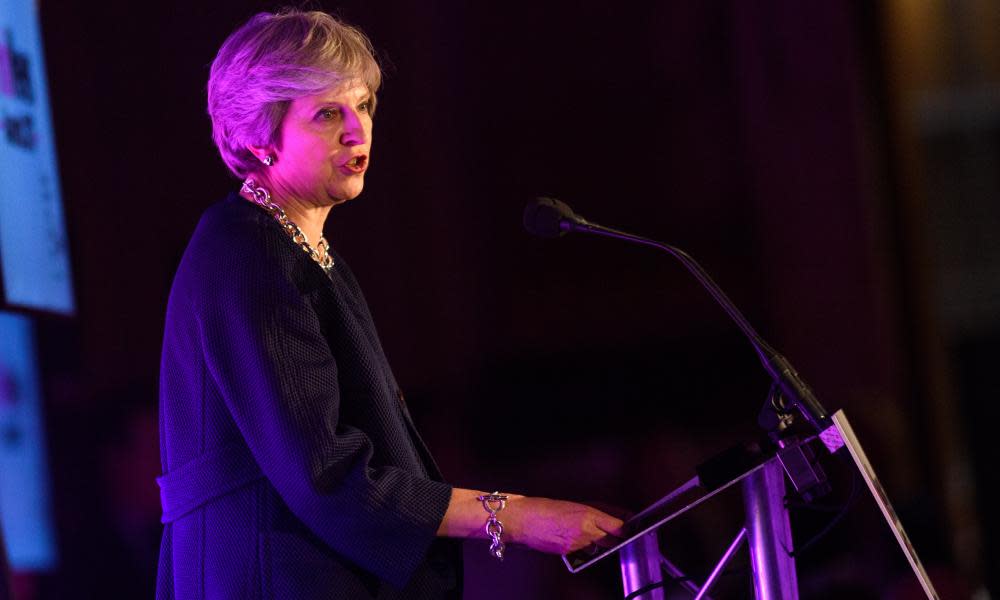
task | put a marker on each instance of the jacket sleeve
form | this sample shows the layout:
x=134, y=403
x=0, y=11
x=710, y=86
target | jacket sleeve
x=265, y=352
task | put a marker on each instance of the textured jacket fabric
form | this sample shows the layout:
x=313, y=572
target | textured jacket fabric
x=269, y=360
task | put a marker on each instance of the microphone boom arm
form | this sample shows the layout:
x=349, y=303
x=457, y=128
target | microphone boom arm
x=781, y=371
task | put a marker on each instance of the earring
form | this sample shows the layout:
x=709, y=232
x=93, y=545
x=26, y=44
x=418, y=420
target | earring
x=268, y=160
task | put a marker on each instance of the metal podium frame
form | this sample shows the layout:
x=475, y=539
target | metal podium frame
x=767, y=530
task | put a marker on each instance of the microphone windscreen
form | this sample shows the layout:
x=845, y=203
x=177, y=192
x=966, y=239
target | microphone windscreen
x=542, y=217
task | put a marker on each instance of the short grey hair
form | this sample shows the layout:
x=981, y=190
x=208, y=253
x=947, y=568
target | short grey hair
x=272, y=60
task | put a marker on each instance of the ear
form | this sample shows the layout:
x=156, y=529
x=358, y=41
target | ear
x=262, y=153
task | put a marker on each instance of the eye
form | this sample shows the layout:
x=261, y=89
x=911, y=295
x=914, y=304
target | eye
x=327, y=114
x=365, y=106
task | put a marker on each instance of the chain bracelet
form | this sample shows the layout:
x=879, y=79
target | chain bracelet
x=493, y=504
x=320, y=254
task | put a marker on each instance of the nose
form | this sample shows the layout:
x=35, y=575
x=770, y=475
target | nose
x=354, y=133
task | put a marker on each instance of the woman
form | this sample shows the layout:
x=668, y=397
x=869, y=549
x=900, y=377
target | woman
x=291, y=466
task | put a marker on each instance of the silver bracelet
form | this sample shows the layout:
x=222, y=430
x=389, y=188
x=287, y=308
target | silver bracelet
x=493, y=504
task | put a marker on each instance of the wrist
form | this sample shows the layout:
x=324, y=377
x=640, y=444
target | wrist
x=513, y=518
x=493, y=504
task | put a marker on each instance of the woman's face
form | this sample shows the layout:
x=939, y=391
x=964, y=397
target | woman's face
x=325, y=145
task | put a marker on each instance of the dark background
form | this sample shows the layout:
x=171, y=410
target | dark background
x=832, y=164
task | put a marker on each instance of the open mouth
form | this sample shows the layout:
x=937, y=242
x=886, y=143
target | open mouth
x=357, y=164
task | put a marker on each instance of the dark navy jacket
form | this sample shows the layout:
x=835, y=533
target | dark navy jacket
x=291, y=466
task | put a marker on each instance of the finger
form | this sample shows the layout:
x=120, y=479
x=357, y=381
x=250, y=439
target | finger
x=593, y=533
x=588, y=538
x=582, y=544
x=610, y=525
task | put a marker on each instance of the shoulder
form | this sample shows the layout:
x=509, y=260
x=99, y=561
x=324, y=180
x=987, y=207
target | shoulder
x=236, y=248
x=233, y=223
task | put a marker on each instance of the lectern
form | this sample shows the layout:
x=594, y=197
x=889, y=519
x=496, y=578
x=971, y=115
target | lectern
x=762, y=476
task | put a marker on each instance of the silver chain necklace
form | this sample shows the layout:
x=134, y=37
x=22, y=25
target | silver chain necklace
x=320, y=254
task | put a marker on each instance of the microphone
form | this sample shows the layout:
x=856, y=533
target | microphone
x=548, y=218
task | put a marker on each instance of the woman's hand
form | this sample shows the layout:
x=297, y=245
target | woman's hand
x=557, y=526
x=554, y=526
